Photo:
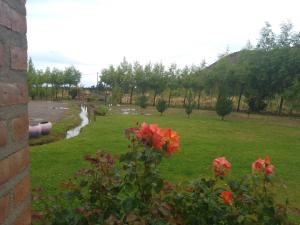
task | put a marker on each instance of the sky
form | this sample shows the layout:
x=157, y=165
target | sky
x=93, y=34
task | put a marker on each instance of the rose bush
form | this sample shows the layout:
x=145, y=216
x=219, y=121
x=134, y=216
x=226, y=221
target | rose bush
x=130, y=190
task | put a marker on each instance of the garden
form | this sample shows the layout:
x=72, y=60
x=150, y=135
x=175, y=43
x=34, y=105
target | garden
x=203, y=138
x=201, y=144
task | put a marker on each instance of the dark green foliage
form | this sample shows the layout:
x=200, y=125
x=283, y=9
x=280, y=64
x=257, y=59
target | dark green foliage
x=189, y=104
x=161, y=106
x=142, y=101
x=256, y=104
x=101, y=111
x=223, y=107
x=73, y=93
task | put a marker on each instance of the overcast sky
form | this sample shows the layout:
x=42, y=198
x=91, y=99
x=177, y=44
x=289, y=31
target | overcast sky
x=92, y=34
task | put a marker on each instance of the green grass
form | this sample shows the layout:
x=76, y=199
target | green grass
x=70, y=119
x=203, y=137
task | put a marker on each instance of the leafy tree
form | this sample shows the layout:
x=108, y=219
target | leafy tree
x=223, y=107
x=31, y=76
x=285, y=37
x=292, y=94
x=267, y=40
x=172, y=78
x=142, y=77
x=157, y=80
x=186, y=81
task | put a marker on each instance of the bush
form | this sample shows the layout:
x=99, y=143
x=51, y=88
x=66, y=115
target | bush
x=256, y=104
x=161, y=106
x=73, y=93
x=189, y=105
x=142, y=101
x=130, y=190
x=101, y=111
x=223, y=107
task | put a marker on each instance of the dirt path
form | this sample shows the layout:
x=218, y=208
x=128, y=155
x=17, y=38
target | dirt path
x=39, y=111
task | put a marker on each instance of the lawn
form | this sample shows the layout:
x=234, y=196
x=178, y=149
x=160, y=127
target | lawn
x=203, y=137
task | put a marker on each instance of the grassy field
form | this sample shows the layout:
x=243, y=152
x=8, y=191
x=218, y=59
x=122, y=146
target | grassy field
x=203, y=137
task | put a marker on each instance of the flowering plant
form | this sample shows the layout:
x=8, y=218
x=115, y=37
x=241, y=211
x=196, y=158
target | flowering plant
x=130, y=190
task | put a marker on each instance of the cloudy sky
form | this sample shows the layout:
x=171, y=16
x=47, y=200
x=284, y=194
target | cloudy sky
x=92, y=34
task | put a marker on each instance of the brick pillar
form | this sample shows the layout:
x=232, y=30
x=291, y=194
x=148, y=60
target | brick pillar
x=14, y=177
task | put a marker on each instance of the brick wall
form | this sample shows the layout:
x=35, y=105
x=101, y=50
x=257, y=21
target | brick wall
x=14, y=177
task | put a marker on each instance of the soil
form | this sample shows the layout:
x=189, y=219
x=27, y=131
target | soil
x=39, y=111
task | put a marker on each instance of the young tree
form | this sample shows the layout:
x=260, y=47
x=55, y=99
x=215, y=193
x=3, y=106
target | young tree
x=186, y=81
x=31, y=78
x=172, y=80
x=142, y=75
x=157, y=80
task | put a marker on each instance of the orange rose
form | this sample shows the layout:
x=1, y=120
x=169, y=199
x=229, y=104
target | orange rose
x=172, y=141
x=227, y=197
x=158, y=140
x=221, y=166
x=154, y=136
x=144, y=132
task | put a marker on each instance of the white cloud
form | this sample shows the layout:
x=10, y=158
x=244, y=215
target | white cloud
x=91, y=34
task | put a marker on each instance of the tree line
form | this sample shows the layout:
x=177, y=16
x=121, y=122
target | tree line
x=52, y=83
x=254, y=75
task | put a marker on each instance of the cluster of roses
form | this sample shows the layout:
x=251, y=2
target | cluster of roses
x=222, y=167
x=160, y=139
x=263, y=165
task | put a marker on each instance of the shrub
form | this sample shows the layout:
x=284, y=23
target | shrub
x=161, y=106
x=189, y=105
x=256, y=104
x=130, y=190
x=142, y=101
x=223, y=107
x=101, y=111
x=73, y=93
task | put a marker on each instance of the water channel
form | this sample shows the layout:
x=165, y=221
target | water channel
x=84, y=121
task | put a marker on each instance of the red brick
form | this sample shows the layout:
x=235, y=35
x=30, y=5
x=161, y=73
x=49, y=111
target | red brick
x=11, y=94
x=5, y=14
x=3, y=134
x=18, y=22
x=14, y=164
x=1, y=55
x=4, y=208
x=24, y=218
x=20, y=128
x=18, y=58
x=11, y=19
x=21, y=191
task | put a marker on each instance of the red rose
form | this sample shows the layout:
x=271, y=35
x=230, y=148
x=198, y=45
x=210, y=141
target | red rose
x=221, y=166
x=258, y=165
x=227, y=197
x=263, y=165
x=269, y=169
